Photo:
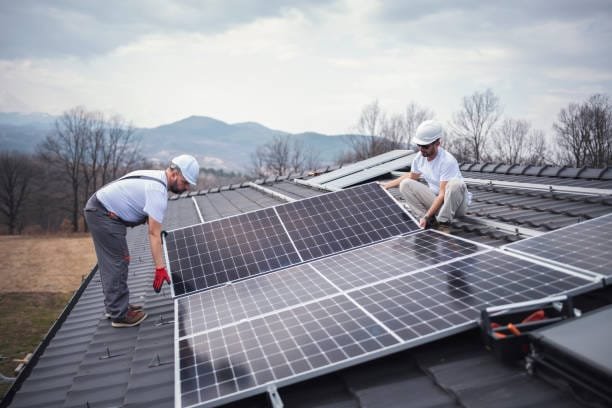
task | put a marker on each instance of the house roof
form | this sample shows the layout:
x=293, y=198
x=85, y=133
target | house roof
x=84, y=362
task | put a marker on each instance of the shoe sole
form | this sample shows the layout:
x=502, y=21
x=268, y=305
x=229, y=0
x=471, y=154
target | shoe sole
x=136, y=323
x=108, y=315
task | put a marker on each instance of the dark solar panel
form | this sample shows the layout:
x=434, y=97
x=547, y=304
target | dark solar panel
x=449, y=296
x=400, y=255
x=253, y=297
x=585, y=246
x=343, y=220
x=210, y=254
x=235, y=361
x=233, y=357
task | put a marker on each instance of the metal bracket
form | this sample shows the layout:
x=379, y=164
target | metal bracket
x=275, y=398
x=162, y=321
x=108, y=354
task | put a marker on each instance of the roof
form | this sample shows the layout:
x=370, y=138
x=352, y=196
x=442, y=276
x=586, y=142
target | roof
x=84, y=362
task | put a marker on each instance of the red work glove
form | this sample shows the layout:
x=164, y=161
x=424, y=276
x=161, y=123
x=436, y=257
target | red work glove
x=161, y=275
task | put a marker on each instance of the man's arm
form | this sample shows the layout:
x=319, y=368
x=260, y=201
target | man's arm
x=396, y=182
x=435, y=206
x=155, y=243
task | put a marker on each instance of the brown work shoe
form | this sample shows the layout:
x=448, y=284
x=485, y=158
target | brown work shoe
x=131, y=318
x=444, y=227
x=130, y=307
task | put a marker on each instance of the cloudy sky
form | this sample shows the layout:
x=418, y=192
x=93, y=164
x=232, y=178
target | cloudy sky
x=301, y=65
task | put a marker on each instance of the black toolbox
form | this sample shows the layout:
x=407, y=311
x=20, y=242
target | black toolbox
x=505, y=328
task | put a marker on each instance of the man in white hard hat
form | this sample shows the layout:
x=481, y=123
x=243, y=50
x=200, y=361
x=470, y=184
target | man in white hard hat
x=445, y=196
x=137, y=198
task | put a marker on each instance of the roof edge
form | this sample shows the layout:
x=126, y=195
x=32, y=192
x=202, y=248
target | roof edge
x=25, y=372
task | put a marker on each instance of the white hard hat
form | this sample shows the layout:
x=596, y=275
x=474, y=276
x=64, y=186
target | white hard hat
x=188, y=166
x=428, y=132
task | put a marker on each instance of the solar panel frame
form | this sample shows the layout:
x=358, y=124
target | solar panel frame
x=430, y=280
x=232, y=249
x=335, y=222
x=571, y=248
x=207, y=255
x=371, y=172
x=355, y=167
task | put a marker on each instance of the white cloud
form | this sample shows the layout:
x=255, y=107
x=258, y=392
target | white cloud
x=298, y=68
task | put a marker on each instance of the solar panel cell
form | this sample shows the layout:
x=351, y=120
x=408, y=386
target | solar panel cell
x=347, y=219
x=246, y=356
x=210, y=254
x=584, y=246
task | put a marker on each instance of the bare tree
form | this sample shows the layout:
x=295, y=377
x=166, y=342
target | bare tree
x=378, y=132
x=584, y=133
x=17, y=171
x=65, y=148
x=476, y=119
x=89, y=151
x=517, y=143
x=282, y=156
x=121, y=151
x=414, y=116
x=369, y=140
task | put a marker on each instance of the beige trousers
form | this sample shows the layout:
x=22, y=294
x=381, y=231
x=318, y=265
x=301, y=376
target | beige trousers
x=419, y=198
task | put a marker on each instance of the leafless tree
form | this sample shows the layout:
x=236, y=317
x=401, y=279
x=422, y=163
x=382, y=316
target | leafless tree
x=516, y=142
x=414, y=116
x=584, y=133
x=371, y=125
x=476, y=119
x=282, y=156
x=88, y=151
x=121, y=152
x=65, y=148
x=17, y=172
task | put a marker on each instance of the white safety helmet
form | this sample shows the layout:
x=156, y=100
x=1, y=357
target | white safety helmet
x=188, y=166
x=428, y=132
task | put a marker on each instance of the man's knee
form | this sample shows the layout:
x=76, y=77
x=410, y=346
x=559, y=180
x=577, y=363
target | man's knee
x=406, y=186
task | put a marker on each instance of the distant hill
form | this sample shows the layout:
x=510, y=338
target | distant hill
x=215, y=143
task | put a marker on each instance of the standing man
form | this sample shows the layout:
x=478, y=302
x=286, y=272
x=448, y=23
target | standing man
x=134, y=199
x=445, y=196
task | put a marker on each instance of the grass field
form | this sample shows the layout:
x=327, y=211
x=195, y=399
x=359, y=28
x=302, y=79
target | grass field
x=38, y=275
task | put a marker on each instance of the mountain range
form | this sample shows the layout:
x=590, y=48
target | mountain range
x=215, y=143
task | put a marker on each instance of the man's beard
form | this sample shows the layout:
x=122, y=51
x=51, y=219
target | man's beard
x=175, y=188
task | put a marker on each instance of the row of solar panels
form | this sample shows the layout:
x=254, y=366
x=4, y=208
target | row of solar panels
x=341, y=307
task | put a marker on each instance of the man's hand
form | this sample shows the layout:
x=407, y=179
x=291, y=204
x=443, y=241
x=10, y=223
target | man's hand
x=161, y=275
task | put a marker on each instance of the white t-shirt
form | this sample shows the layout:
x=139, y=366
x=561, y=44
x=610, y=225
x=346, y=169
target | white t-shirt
x=443, y=167
x=134, y=199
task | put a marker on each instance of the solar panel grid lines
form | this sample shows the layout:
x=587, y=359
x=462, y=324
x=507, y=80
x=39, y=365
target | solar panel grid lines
x=233, y=248
x=213, y=253
x=356, y=167
x=449, y=296
x=584, y=246
x=228, y=304
x=401, y=255
x=344, y=220
x=219, y=365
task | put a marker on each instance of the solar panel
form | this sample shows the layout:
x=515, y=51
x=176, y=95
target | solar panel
x=584, y=246
x=210, y=254
x=213, y=253
x=253, y=297
x=370, y=173
x=419, y=301
x=362, y=266
x=355, y=167
x=235, y=361
x=450, y=296
x=343, y=220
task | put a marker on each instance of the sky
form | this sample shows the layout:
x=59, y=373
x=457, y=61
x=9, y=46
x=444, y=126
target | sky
x=301, y=65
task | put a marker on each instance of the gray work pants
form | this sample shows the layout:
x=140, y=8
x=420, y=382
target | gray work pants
x=113, y=257
x=419, y=198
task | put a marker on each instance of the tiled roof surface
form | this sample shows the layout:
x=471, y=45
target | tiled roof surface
x=89, y=364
